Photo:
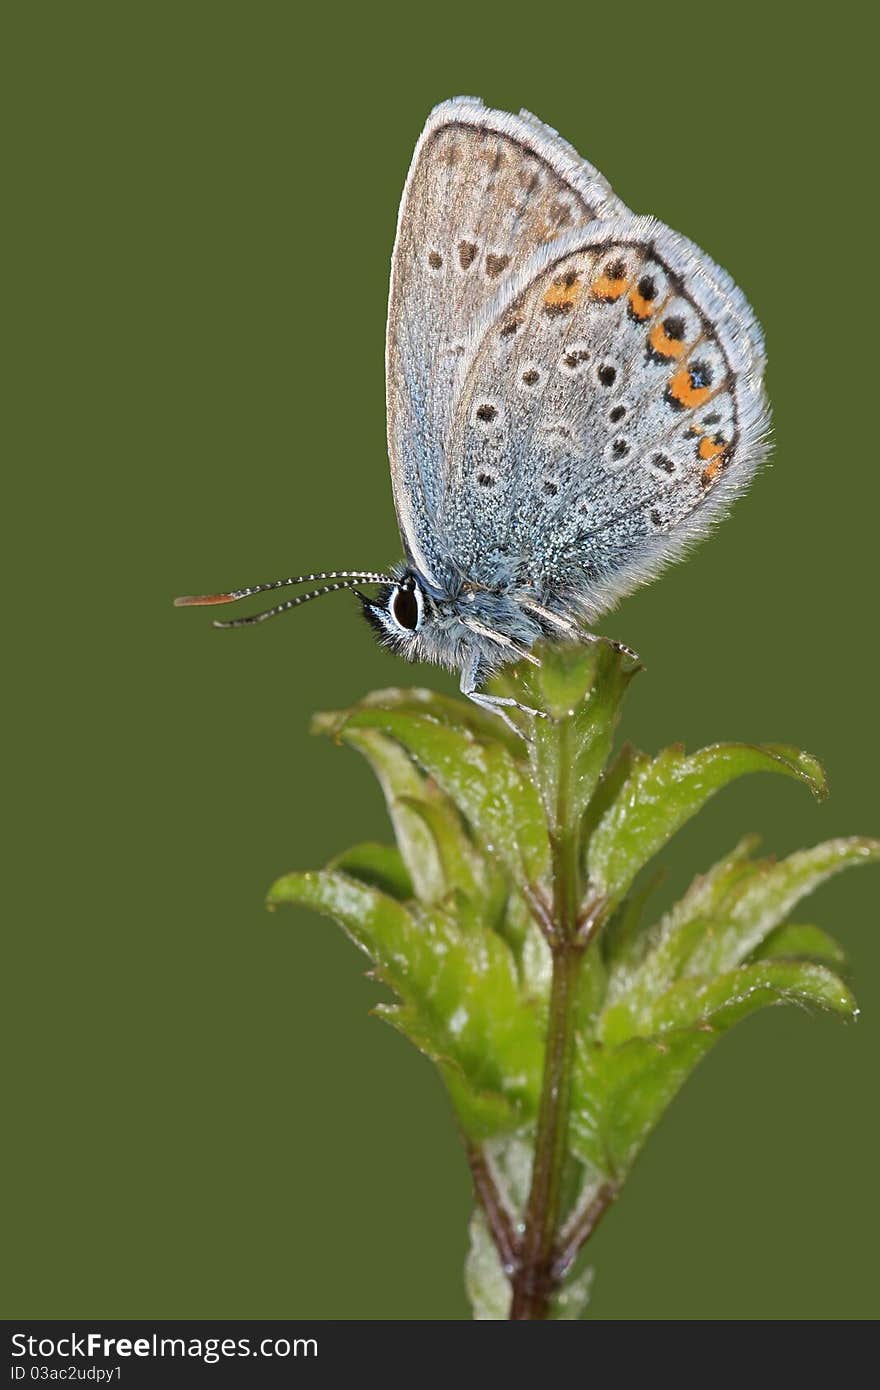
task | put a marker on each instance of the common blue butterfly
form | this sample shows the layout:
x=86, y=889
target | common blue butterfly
x=574, y=395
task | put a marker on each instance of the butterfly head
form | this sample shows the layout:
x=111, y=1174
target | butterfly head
x=401, y=613
x=463, y=625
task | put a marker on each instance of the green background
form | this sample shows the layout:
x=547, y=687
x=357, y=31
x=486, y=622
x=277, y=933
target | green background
x=203, y=1119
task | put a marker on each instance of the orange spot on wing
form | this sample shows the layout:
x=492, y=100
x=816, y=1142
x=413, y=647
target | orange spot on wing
x=688, y=396
x=641, y=307
x=710, y=472
x=710, y=447
x=564, y=292
x=663, y=345
x=606, y=288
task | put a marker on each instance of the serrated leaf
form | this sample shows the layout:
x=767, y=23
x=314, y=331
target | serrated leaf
x=656, y=958
x=402, y=782
x=696, y=1002
x=383, y=928
x=793, y=941
x=623, y=1083
x=749, y=899
x=482, y=1114
x=709, y=893
x=464, y=869
x=488, y=784
x=662, y=793
x=619, y=1095
x=381, y=866
x=580, y=688
x=445, y=709
x=726, y=914
x=760, y=901
x=460, y=987
x=450, y=920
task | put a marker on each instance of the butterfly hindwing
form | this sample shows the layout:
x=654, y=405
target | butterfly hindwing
x=609, y=407
x=485, y=191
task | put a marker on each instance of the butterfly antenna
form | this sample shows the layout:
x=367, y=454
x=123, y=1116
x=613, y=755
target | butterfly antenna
x=289, y=603
x=364, y=576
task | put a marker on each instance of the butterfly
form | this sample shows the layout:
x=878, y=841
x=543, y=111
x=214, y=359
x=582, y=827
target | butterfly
x=574, y=396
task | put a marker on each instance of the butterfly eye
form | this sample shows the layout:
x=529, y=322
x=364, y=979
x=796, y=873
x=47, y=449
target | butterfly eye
x=406, y=609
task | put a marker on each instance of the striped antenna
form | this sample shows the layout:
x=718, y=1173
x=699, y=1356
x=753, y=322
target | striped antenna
x=346, y=579
x=200, y=600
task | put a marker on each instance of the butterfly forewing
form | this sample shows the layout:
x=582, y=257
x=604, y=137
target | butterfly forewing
x=484, y=192
x=606, y=412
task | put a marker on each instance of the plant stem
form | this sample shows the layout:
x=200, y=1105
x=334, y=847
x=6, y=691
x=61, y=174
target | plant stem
x=581, y=1227
x=535, y=1278
x=494, y=1207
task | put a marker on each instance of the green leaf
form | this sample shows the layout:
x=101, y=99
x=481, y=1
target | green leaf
x=695, y=1002
x=710, y=893
x=488, y=784
x=623, y=1084
x=591, y=988
x=379, y=925
x=792, y=941
x=619, y=1095
x=464, y=869
x=529, y=947
x=608, y=789
x=726, y=914
x=649, y=963
x=623, y=941
x=760, y=901
x=580, y=688
x=482, y=1113
x=445, y=709
x=380, y=866
x=450, y=919
x=460, y=989
x=662, y=793
x=402, y=783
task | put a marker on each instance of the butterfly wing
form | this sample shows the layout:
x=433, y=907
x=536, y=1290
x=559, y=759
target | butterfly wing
x=485, y=190
x=610, y=406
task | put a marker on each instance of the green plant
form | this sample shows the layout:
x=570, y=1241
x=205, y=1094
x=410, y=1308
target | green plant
x=510, y=924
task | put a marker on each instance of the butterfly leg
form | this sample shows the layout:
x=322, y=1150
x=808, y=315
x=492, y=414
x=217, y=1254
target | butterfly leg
x=496, y=704
x=571, y=629
x=612, y=642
